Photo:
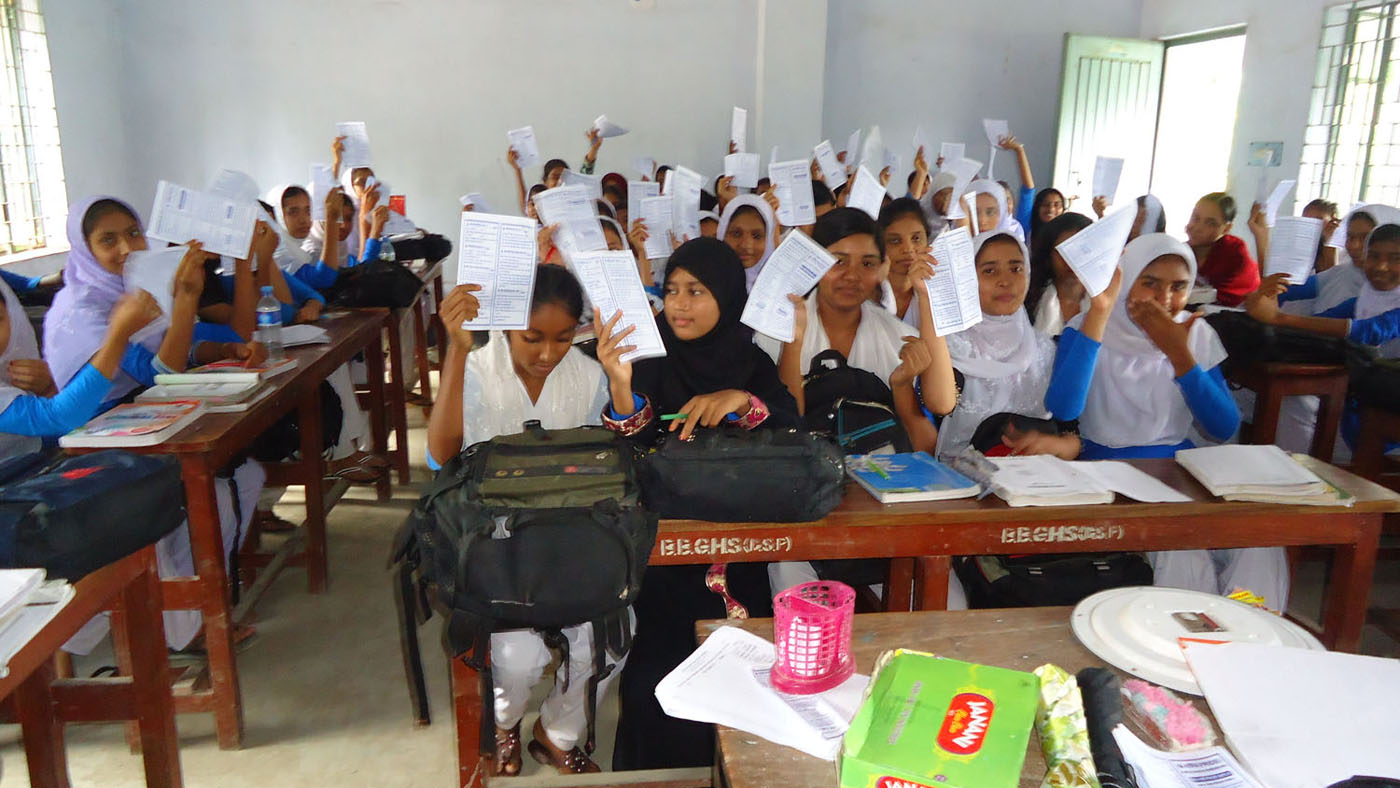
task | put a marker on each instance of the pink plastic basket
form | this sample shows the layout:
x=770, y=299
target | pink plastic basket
x=812, y=633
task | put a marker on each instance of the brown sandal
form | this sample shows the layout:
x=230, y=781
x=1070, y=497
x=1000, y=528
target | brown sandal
x=507, y=755
x=572, y=762
x=269, y=523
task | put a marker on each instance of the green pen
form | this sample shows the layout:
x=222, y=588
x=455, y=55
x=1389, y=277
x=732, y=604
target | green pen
x=673, y=416
x=876, y=469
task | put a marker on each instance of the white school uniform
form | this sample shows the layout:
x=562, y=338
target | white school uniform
x=495, y=402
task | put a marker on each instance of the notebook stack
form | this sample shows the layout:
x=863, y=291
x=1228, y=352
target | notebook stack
x=1263, y=474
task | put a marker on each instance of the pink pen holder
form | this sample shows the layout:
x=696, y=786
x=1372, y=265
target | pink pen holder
x=812, y=635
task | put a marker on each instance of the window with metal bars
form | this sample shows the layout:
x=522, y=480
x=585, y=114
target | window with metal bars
x=1351, y=149
x=32, y=192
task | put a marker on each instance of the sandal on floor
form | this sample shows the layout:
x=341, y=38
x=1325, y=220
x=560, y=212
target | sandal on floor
x=572, y=762
x=269, y=523
x=371, y=460
x=507, y=756
x=351, y=470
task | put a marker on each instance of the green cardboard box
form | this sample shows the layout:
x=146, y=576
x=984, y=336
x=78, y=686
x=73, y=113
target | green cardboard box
x=929, y=722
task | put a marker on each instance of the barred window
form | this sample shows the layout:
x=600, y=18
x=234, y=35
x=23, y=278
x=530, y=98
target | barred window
x=1351, y=149
x=31, y=167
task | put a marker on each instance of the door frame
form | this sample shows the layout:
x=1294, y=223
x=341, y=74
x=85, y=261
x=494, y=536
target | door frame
x=1229, y=31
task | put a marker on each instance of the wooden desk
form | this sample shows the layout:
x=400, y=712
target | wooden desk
x=1272, y=382
x=43, y=703
x=932, y=532
x=211, y=443
x=430, y=274
x=1019, y=639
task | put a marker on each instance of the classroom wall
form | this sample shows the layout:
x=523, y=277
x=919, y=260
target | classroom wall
x=1280, y=57
x=898, y=63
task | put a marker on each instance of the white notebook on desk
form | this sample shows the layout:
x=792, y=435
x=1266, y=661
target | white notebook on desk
x=1265, y=474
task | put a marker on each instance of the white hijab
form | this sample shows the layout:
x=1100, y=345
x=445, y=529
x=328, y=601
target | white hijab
x=495, y=402
x=289, y=254
x=22, y=345
x=1006, y=223
x=765, y=211
x=1134, y=399
x=1006, y=368
x=1371, y=302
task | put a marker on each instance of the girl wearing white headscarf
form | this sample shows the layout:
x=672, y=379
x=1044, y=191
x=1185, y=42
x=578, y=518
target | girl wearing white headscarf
x=1137, y=370
x=992, y=213
x=752, y=243
x=943, y=183
x=1372, y=318
x=1004, y=361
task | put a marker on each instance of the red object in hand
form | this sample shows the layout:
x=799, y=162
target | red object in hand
x=396, y=204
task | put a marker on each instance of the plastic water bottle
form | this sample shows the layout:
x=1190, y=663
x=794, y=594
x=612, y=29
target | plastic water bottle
x=386, y=250
x=269, y=331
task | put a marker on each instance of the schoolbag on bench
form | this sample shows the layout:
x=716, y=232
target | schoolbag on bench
x=539, y=530
x=74, y=515
x=852, y=405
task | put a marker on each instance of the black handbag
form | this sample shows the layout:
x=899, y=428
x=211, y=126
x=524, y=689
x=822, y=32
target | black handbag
x=73, y=515
x=732, y=475
x=1250, y=342
x=1047, y=580
x=377, y=283
x=1375, y=381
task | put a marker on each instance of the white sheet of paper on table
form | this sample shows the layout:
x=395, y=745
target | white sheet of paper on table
x=1299, y=717
x=792, y=184
x=1107, y=172
x=953, y=290
x=573, y=209
x=718, y=683
x=739, y=129
x=1212, y=767
x=498, y=253
x=1275, y=200
x=950, y=152
x=153, y=270
x=224, y=226
x=656, y=213
x=794, y=268
x=593, y=183
x=606, y=128
x=322, y=180
x=356, y=153
x=636, y=192
x=526, y=147
x=685, y=185
x=872, y=151
x=830, y=166
x=866, y=193
x=1127, y=480
x=963, y=170
x=1092, y=253
x=1293, y=247
x=743, y=167
x=614, y=285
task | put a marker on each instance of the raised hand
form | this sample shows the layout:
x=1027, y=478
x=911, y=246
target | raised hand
x=914, y=358
x=460, y=305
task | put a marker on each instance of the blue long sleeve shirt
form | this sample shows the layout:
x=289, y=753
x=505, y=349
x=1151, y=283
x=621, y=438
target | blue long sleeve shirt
x=321, y=276
x=1205, y=392
x=1304, y=292
x=301, y=293
x=1371, y=331
x=20, y=284
x=50, y=417
x=1025, y=203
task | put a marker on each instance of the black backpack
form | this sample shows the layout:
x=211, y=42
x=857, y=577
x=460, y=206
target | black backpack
x=73, y=515
x=1249, y=342
x=536, y=530
x=1375, y=381
x=852, y=405
x=1046, y=580
x=376, y=283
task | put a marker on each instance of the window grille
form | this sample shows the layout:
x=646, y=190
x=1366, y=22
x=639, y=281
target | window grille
x=32, y=193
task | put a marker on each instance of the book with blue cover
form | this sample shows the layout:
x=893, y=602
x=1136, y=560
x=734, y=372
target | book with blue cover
x=901, y=478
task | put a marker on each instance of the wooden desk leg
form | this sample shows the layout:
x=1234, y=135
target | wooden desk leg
x=1267, y=403
x=1329, y=419
x=440, y=339
x=397, y=406
x=420, y=341
x=44, y=749
x=472, y=763
x=314, y=468
x=1349, y=587
x=155, y=708
x=206, y=540
x=1369, y=457
x=378, y=409
x=899, y=592
x=931, y=582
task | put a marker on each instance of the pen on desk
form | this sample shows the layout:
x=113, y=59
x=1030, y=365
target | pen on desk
x=673, y=416
x=876, y=469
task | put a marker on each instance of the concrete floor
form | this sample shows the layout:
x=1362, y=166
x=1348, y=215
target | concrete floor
x=324, y=694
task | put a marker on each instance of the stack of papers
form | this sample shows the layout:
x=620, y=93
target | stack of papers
x=304, y=334
x=27, y=603
x=1266, y=474
x=725, y=682
x=213, y=393
x=1046, y=480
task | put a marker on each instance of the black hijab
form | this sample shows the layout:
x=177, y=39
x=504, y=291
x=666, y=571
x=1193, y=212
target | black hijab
x=724, y=358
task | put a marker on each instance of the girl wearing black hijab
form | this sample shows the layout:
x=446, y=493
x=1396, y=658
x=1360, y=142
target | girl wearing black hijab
x=712, y=372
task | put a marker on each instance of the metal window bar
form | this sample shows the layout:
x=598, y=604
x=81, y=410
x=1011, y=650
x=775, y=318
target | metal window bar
x=1351, y=147
x=33, y=195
